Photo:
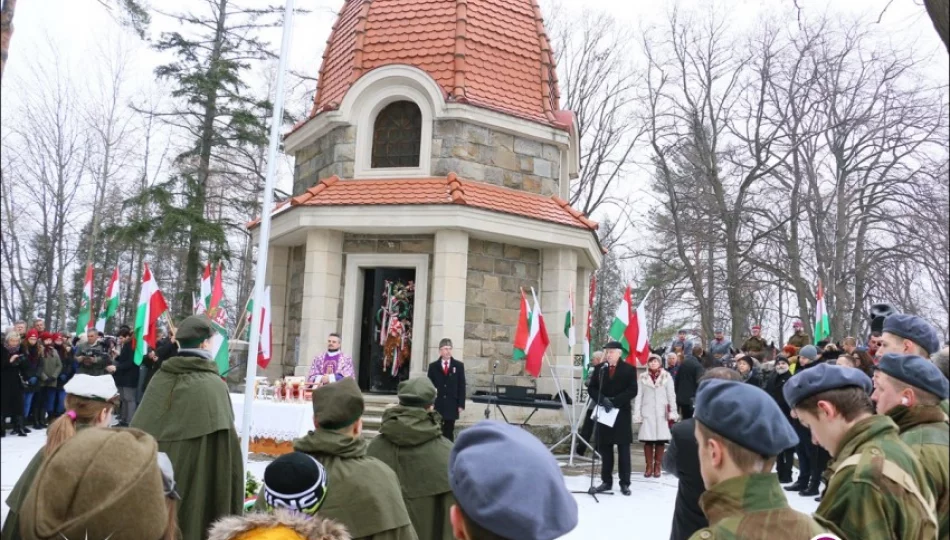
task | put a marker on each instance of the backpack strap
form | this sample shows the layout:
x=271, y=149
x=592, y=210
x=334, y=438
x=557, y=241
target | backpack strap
x=899, y=476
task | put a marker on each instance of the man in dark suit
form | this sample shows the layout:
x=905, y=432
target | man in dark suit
x=687, y=382
x=614, y=385
x=682, y=461
x=448, y=376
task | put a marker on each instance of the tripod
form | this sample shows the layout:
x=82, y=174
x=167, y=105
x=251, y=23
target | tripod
x=592, y=491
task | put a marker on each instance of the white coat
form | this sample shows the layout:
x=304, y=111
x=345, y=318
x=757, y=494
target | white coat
x=655, y=406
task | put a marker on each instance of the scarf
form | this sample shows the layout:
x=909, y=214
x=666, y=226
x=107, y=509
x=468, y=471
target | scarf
x=195, y=352
x=654, y=375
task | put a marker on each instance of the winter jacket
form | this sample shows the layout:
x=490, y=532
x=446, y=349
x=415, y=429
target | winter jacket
x=774, y=387
x=279, y=525
x=11, y=385
x=99, y=359
x=52, y=367
x=410, y=441
x=722, y=348
x=654, y=407
x=687, y=380
x=31, y=366
x=754, y=378
x=69, y=366
x=126, y=372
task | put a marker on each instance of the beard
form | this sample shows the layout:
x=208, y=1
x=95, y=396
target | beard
x=781, y=370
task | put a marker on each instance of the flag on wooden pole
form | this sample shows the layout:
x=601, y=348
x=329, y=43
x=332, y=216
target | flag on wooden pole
x=84, y=319
x=569, y=331
x=537, y=340
x=822, y=324
x=151, y=306
x=110, y=302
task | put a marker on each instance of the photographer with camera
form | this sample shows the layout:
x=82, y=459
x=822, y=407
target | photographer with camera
x=93, y=356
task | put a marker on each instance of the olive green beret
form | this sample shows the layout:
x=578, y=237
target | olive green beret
x=418, y=392
x=338, y=405
x=193, y=331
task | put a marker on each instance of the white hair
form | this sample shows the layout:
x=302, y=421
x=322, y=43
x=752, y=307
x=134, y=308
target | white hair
x=671, y=355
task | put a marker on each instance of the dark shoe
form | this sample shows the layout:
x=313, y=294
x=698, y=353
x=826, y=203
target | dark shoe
x=818, y=499
x=797, y=486
x=603, y=487
x=18, y=427
x=625, y=490
x=784, y=480
x=810, y=491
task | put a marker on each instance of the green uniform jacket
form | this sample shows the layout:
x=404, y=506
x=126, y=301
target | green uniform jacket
x=860, y=503
x=755, y=346
x=188, y=410
x=362, y=492
x=410, y=441
x=753, y=507
x=11, y=526
x=926, y=431
x=799, y=339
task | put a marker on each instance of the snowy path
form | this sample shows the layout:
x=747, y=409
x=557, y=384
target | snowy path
x=646, y=514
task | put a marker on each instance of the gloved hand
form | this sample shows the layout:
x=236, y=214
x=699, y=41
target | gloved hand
x=32, y=381
x=606, y=404
x=62, y=377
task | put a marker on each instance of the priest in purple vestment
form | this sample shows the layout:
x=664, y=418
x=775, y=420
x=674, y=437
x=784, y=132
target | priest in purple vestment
x=332, y=365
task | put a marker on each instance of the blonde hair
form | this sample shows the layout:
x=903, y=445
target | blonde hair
x=86, y=411
x=11, y=336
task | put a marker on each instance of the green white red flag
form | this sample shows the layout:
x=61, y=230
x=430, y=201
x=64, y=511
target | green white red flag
x=204, y=296
x=569, y=322
x=537, y=340
x=822, y=323
x=110, y=302
x=150, y=307
x=267, y=331
x=522, y=330
x=84, y=319
x=629, y=328
x=219, y=320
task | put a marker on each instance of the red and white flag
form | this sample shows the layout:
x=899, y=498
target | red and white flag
x=537, y=340
x=151, y=306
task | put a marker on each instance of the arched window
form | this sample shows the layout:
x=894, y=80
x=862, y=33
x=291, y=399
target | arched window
x=397, y=134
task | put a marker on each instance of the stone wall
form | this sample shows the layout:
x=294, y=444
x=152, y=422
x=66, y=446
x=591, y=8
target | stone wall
x=496, y=274
x=295, y=275
x=482, y=154
x=332, y=154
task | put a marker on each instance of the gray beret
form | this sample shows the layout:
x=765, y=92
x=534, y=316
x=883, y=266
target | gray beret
x=521, y=496
x=915, y=329
x=744, y=414
x=917, y=372
x=823, y=377
x=810, y=352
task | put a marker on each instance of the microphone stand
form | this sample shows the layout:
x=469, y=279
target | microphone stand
x=491, y=389
x=594, y=417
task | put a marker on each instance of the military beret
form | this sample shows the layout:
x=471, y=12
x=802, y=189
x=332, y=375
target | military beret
x=810, y=352
x=917, y=372
x=915, y=329
x=418, y=392
x=522, y=496
x=821, y=378
x=338, y=405
x=193, y=331
x=744, y=414
x=613, y=345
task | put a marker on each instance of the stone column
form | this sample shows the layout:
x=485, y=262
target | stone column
x=558, y=277
x=278, y=259
x=323, y=271
x=447, y=304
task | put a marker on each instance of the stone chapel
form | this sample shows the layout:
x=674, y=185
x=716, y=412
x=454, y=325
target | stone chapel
x=430, y=186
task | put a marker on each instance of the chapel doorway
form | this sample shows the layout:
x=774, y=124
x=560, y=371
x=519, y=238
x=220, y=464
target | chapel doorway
x=386, y=319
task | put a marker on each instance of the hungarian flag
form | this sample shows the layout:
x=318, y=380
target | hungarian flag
x=537, y=340
x=822, y=325
x=110, y=303
x=569, y=321
x=590, y=318
x=219, y=321
x=84, y=319
x=629, y=328
x=522, y=330
x=151, y=306
x=204, y=299
x=267, y=331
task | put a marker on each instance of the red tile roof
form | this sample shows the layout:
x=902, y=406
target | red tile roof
x=490, y=53
x=438, y=191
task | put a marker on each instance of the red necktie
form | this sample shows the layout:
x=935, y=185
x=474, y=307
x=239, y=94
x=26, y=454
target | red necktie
x=445, y=367
x=612, y=370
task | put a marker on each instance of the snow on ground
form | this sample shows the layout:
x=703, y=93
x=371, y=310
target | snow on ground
x=649, y=511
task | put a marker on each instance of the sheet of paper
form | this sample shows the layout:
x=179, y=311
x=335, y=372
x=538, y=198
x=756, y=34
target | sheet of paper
x=606, y=418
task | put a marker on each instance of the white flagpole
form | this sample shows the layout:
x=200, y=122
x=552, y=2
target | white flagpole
x=260, y=275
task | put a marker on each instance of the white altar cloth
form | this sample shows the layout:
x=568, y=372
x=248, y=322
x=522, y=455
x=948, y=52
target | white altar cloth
x=277, y=420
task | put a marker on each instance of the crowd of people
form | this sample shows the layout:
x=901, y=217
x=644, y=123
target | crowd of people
x=868, y=424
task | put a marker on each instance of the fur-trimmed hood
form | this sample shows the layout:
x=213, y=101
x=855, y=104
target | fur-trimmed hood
x=315, y=528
